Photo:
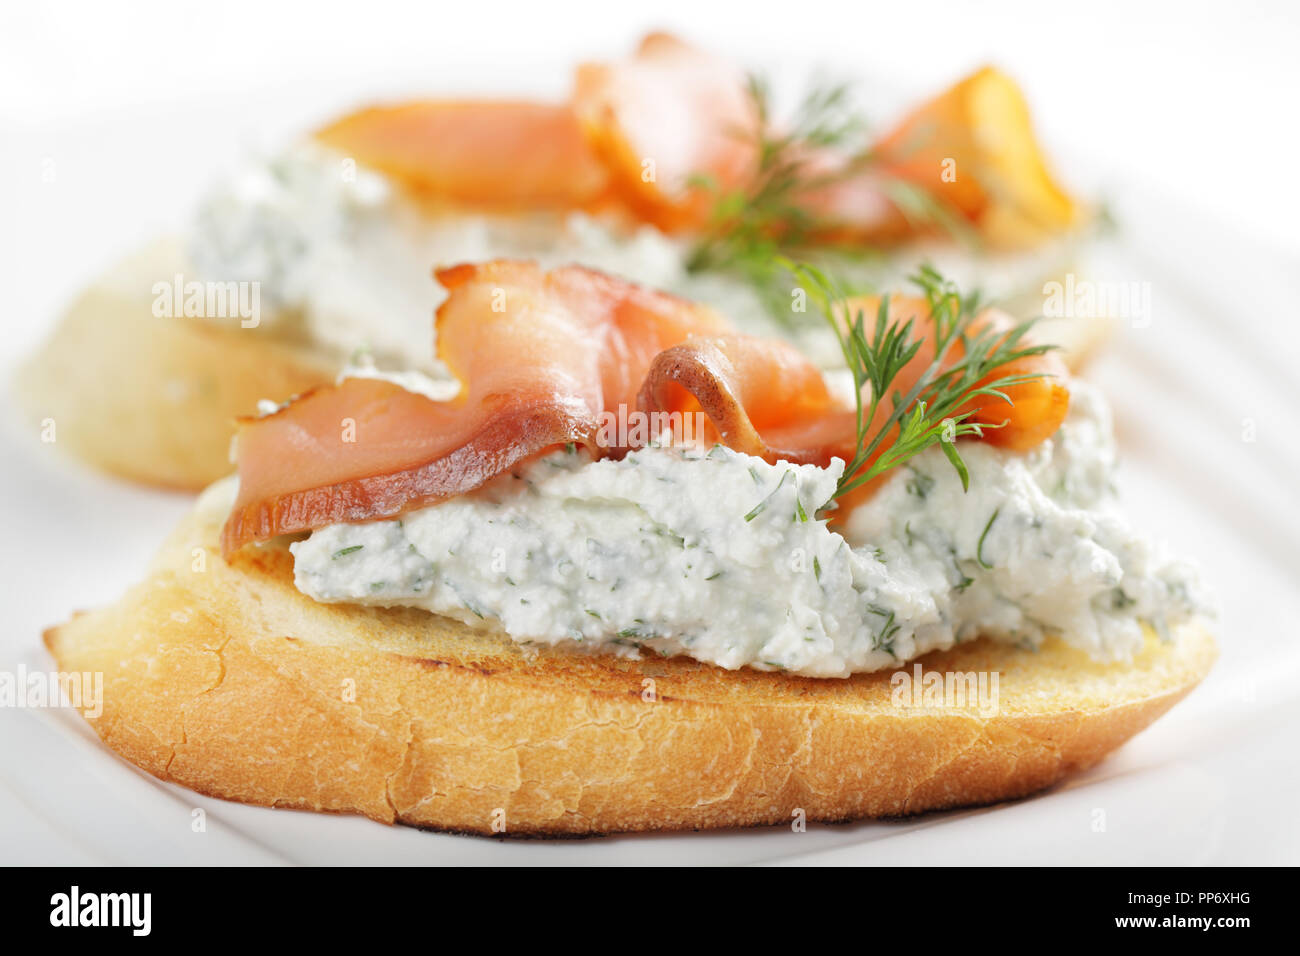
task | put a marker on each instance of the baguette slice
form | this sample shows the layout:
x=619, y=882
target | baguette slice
x=155, y=399
x=225, y=679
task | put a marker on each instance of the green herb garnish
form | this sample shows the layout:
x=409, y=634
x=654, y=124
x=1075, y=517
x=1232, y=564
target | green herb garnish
x=758, y=508
x=979, y=549
x=887, y=630
x=753, y=226
x=919, y=484
x=963, y=368
x=342, y=551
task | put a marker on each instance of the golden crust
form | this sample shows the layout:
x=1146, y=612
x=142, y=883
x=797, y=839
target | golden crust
x=225, y=679
x=155, y=399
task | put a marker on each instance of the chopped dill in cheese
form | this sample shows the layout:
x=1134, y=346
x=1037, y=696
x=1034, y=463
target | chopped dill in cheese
x=728, y=559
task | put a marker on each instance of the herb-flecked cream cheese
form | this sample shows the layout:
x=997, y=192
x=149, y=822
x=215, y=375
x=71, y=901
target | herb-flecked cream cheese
x=723, y=557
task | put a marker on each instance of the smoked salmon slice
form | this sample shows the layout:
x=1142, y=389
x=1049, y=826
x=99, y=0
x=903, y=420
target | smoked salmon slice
x=972, y=149
x=542, y=357
x=659, y=136
x=662, y=118
x=672, y=115
x=510, y=155
x=539, y=356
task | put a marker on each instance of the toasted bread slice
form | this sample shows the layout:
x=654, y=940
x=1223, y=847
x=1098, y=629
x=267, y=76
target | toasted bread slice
x=227, y=680
x=155, y=399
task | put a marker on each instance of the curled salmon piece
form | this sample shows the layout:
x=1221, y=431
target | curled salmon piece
x=483, y=153
x=662, y=118
x=762, y=396
x=539, y=356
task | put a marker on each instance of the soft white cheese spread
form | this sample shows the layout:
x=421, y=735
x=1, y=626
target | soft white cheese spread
x=721, y=557
x=344, y=256
x=441, y=389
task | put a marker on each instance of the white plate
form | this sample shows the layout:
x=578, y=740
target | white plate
x=1215, y=781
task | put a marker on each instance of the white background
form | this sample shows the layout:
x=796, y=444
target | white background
x=1196, y=98
x=1187, y=109
x=1191, y=101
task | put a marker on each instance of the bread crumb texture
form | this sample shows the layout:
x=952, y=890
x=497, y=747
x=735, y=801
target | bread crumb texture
x=225, y=679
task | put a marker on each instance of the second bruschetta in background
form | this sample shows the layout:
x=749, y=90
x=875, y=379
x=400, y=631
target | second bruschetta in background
x=659, y=169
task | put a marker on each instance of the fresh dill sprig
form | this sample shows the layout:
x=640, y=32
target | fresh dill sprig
x=963, y=367
x=754, y=227
x=766, y=214
x=751, y=226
